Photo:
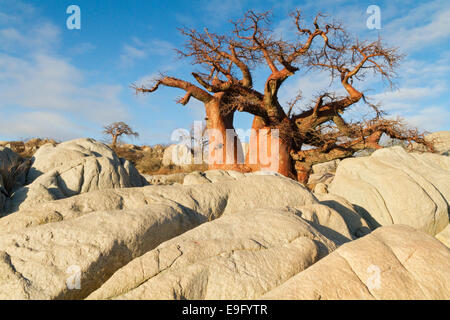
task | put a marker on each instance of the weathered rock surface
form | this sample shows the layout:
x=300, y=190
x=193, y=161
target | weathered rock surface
x=324, y=178
x=326, y=167
x=101, y=231
x=211, y=200
x=212, y=176
x=357, y=226
x=50, y=156
x=239, y=256
x=393, y=186
x=393, y=262
x=165, y=179
x=71, y=168
x=194, y=178
x=35, y=262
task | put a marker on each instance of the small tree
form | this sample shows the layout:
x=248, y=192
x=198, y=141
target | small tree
x=118, y=129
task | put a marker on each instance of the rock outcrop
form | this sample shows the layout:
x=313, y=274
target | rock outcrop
x=100, y=231
x=239, y=256
x=211, y=200
x=71, y=168
x=393, y=186
x=83, y=223
x=50, y=156
x=393, y=262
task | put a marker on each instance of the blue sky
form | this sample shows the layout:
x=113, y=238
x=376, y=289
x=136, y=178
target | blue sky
x=65, y=84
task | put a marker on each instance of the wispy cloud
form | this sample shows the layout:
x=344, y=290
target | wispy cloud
x=420, y=27
x=43, y=93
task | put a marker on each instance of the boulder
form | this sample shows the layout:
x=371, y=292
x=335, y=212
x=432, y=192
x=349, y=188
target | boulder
x=239, y=256
x=441, y=141
x=78, y=176
x=212, y=176
x=320, y=188
x=393, y=262
x=325, y=167
x=222, y=175
x=177, y=154
x=393, y=186
x=71, y=168
x=320, y=178
x=36, y=263
x=50, y=156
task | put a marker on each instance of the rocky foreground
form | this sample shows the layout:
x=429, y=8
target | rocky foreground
x=83, y=223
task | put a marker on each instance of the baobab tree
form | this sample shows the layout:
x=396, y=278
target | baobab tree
x=117, y=129
x=319, y=132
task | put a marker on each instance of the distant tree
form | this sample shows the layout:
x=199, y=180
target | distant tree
x=117, y=129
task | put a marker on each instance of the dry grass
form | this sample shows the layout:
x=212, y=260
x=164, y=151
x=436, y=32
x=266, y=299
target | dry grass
x=149, y=161
x=27, y=149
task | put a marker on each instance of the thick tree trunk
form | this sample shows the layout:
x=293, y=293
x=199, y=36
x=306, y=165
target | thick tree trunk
x=267, y=151
x=224, y=148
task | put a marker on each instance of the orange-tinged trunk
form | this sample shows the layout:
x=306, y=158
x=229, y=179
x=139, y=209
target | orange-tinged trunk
x=225, y=149
x=267, y=151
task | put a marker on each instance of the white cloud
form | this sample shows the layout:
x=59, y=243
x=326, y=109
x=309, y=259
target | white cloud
x=432, y=118
x=43, y=82
x=410, y=34
x=44, y=94
x=405, y=97
x=38, y=124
